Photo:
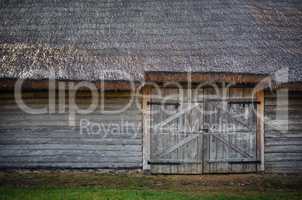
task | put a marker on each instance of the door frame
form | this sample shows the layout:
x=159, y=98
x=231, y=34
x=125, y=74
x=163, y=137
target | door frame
x=146, y=119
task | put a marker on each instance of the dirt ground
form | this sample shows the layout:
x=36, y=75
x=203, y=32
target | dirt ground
x=236, y=183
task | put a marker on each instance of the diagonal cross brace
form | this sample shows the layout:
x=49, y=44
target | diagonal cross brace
x=235, y=148
x=175, y=116
x=176, y=146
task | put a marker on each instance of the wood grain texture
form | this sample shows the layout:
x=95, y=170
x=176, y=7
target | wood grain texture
x=180, y=143
x=283, y=134
x=237, y=145
x=48, y=140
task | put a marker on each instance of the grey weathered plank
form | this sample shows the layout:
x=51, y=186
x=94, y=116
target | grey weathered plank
x=47, y=140
x=279, y=141
x=283, y=156
x=68, y=152
x=69, y=140
x=70, y=158
x=296, y=164
x=284, y=149
x=73, y=146
x=75, y=164
x=283, y=144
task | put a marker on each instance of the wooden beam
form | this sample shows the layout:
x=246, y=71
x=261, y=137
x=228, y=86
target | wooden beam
x=146, y=127
x=200, y=77
x=260, y=129
x=9, y=85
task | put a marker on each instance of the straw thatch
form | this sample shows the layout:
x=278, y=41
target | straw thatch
x=101, y=39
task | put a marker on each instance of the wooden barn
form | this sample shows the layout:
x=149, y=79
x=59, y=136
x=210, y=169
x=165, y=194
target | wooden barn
x=168, y=87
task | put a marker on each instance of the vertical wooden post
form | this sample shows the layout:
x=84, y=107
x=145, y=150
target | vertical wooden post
x=260, y=129
x=146, y=127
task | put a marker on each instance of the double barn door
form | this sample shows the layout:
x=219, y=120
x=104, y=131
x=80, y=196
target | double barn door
x=205, y=136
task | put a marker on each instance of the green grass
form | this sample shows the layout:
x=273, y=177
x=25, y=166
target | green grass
x=89, y=185
x=93, y=193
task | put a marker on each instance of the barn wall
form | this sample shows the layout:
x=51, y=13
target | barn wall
x=283, y=147
x=49, y=140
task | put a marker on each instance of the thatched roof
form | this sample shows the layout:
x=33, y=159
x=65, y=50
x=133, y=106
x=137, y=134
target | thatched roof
x=101, y=39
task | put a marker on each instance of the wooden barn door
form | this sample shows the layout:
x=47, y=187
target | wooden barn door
x=176, y=138
x=230, y=144
x=207, y=135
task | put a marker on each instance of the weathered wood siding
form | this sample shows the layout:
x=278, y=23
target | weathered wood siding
x=48, y=140
x=283, y=146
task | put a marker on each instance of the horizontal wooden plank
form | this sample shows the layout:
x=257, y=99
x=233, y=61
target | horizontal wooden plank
x=67, y=131
x=70, y=153
x=282, y=125
x=130, y=148
x=50, y=132
x=285, y=164
x=60, y=117
x=17, y=111
x=98, y=109
x=291, y=109
x=280, y=141
x=275, y=157
x=44, y=94
x=70, y=158
x=83, y=101
x=282, y=170
x=290, y=114
x=62, y=123
x=282, y=129
x=292, y=94
x=288, y=134
x=284, y=97
x=123, y=140
x=283, y=149
x=75, y=165
x=283, y=102
x=296, y=122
